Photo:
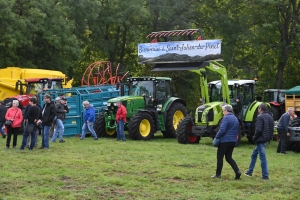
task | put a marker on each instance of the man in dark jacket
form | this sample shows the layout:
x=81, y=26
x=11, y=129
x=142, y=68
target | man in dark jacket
x=61, y=110
x=264, y=130
x=3, y=110
x=32, y=116
x=282, y=129
x=47, y=114
x=228, y=134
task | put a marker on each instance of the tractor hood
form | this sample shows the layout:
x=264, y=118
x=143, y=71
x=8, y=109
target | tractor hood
x=124, y=98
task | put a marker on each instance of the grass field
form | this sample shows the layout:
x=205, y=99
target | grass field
x=156, y=169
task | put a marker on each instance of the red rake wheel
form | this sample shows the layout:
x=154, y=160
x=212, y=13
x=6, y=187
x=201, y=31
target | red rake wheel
x=97, y=73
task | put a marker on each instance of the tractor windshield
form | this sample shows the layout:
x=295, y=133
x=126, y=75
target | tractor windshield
x=141, y=88
x=36, y=88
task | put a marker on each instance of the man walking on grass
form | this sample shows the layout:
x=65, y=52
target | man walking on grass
x=88, y=120
x=264, y=130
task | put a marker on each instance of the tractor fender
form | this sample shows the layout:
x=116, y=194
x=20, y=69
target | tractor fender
x=170, y=101
x=273, y=103
x=252, y=109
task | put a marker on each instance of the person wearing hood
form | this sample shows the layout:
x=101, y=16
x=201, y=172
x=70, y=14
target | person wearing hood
x=88, y=120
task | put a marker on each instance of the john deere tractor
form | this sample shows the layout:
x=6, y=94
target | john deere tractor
x=150, y=107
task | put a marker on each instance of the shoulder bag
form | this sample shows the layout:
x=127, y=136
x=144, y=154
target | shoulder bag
x=9, y=122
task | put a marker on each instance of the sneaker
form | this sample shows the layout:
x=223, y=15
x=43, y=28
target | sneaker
x=3, y=136
x=7, y=147
x=53, y=141
x=62, y=141
x=216, y=176
x=21, y=149
x=41, y=148
x=81, y=138
x=265, y=178
x=248, y=174
x=95, y=138
x=14, y=147
x=27, y=146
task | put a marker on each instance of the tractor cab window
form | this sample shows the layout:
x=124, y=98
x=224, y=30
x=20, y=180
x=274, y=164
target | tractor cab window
x=141, y=88
x=36, y=88
x=215, y=93
x=281, y=97
x=162, y=91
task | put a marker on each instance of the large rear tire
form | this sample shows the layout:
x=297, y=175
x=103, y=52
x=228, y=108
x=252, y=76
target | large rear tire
x=141, y=126
x=100, y=129
x=184, y=130
x=275, y=112
x=175, y=114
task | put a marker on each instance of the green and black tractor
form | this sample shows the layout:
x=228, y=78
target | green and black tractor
x=150, y=108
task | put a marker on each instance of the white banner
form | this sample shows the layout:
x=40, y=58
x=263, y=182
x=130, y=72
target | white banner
x=179, y=51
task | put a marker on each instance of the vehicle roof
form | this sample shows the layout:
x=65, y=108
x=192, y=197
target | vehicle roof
x=145, y=78
x=232, y=82
x=294, y=90
x=275, y=90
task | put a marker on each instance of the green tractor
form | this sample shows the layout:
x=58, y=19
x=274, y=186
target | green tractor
x=240, y=94
x=150, y=108
x=242, y=99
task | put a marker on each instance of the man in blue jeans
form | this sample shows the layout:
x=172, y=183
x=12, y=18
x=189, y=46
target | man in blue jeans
x=121, y=119
x=47, y=115
x=61, y=110
x=88, y=120
x=263, y=134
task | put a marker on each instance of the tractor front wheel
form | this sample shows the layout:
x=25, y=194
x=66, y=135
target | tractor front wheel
x=100, y=129
x=176, y=113
x=141, y=126
x=184, y=130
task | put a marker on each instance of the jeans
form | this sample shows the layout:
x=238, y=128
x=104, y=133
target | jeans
x=282, y=142
x=59, y=129
x=26, y=135
x=14, y=132
x=120, y=130
x=90, y=126
x=1, y=129
x=45, y=136
x=261, y=150
x=35, y=135
x=226, y=149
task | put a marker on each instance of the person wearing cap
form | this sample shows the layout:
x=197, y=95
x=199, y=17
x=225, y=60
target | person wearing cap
x=61, y=110
x=121, y=119
x=88, y=120
x=47, y=115
x=228, y=134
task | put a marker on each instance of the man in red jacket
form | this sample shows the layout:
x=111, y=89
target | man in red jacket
x=121, y=119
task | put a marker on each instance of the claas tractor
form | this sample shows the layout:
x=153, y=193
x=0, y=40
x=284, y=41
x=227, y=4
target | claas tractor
x=150, y=108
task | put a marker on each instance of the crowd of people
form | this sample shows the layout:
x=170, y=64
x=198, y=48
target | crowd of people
x=264, y=130
x=39, y=120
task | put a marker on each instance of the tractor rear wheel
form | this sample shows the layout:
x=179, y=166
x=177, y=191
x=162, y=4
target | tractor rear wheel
x=100, y=129
x=141, y=126
x=276, y=113
x=184, y=128
x=176, y=112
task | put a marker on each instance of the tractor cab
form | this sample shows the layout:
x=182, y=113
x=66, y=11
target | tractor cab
x=38, y=85
x=274, y=95
x=154, y=90
x=241, y=94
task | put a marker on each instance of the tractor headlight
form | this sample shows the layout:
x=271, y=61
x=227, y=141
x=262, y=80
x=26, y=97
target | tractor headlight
x=115, y=104
x=159, y=107
x=108, y=104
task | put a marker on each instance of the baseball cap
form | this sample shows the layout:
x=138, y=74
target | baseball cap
x=57, y=99
x=64, y=98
